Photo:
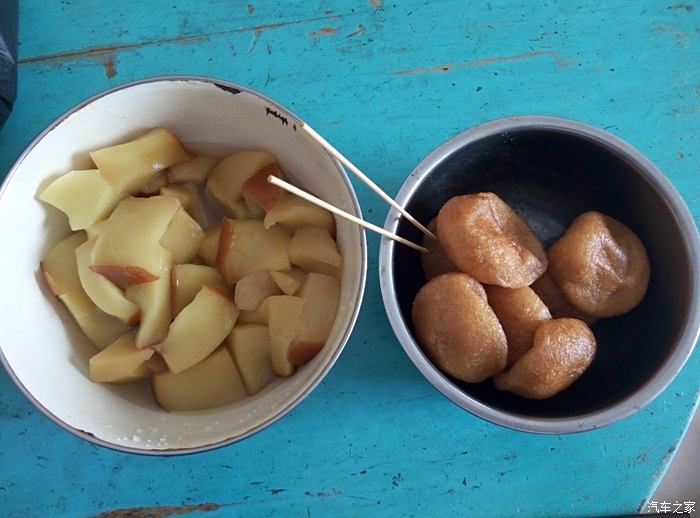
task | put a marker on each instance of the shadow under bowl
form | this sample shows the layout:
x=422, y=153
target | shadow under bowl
x=550, y=170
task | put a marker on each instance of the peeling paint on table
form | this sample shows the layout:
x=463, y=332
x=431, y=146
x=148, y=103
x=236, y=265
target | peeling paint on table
x=385, y=82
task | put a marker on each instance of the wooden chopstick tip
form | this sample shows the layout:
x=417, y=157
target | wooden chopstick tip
x=421, y=249
x=321, y=203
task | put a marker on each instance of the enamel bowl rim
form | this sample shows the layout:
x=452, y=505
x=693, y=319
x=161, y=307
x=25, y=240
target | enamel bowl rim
x=233, y=88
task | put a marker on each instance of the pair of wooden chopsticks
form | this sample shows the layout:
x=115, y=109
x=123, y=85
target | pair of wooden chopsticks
x=317, y=201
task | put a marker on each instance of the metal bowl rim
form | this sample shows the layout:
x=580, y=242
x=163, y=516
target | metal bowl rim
x=663, y=376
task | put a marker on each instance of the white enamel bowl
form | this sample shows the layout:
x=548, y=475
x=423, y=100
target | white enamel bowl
x=42, y=348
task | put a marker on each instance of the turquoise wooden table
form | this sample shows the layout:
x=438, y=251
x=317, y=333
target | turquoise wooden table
x=385, y=81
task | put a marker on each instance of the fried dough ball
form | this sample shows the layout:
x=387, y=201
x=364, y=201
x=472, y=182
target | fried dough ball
x=556, y=302
x=485, y=238
x=475, y=286
x=436, y=262
x=562, y=350
x=458, y=329
x=600, y=265
x=520, y=312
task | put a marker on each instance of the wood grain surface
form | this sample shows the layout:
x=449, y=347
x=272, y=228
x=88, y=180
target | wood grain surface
x=385, y=82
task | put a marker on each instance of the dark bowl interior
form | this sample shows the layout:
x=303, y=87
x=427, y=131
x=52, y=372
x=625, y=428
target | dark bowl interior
x=549, y=177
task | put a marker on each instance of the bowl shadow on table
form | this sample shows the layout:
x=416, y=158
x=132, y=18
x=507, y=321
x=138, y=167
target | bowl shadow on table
x=550, y=178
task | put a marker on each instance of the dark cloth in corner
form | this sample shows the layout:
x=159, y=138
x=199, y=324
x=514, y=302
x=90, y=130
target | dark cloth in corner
x=8, y=57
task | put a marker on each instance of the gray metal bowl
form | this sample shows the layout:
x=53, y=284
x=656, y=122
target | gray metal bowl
x=550, y=170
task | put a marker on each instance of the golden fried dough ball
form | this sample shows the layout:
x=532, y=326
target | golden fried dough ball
x=436, y=262
x=475, y=286
x=458, y=329
x=520, y=312
x=600, y=265
x=562, y=350
x=485, y=238
x=556, y=302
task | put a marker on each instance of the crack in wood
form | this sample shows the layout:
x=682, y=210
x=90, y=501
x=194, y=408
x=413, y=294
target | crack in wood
x=323, y=31
x=447, y=67
x=100, y=51
x=360, y=30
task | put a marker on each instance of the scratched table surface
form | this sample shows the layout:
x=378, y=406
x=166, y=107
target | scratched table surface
x=385, y=82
